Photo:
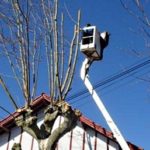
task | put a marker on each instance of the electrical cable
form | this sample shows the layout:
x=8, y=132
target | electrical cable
x=101, y=89
x=110, y=79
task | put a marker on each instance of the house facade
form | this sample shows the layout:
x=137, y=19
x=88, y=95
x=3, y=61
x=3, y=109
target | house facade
x=85, y=136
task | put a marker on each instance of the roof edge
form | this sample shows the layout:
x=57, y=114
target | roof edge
x=42, y=101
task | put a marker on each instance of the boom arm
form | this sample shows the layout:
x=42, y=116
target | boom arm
x=117, y=134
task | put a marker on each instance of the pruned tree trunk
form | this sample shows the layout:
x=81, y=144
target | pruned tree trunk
x=31, y=31
x=47, y=139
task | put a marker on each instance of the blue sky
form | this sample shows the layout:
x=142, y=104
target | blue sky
x=127, y=98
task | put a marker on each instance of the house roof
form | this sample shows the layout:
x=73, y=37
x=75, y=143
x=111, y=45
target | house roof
x=44, y=100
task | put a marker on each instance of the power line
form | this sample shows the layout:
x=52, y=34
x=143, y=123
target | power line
x=103, y=88
x=77, y=103
x=110, y=79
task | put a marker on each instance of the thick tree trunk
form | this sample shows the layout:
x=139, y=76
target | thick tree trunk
x=47, y=140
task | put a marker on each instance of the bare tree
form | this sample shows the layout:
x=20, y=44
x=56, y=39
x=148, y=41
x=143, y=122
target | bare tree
x=29, y=30
x=140, y=12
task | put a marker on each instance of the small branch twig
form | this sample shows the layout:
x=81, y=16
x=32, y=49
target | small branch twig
x=8, y=92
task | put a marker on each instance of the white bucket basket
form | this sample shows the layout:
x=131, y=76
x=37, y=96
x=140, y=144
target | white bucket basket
x=90, y=43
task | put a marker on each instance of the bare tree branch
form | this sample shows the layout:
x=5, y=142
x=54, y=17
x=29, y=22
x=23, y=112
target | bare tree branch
x=8, y=93
x=70, y=16
x=36, y=33
x=5, y=110
x=75, y=56
x=62, y=49
x=143, y=18
x=10, y=61
x=56, y=52
x=69, y=61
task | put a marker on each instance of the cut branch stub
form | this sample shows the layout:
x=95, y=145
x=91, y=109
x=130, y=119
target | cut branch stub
x=44, y=135
x=70, y=120
x=16, y=146
x=28, y=122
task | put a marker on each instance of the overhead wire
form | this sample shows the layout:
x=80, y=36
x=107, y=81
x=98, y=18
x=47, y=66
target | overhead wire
x=111, y=78
x=127, y=76
x=77, y=103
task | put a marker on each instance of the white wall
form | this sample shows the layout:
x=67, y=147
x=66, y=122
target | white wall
x=78, y=139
